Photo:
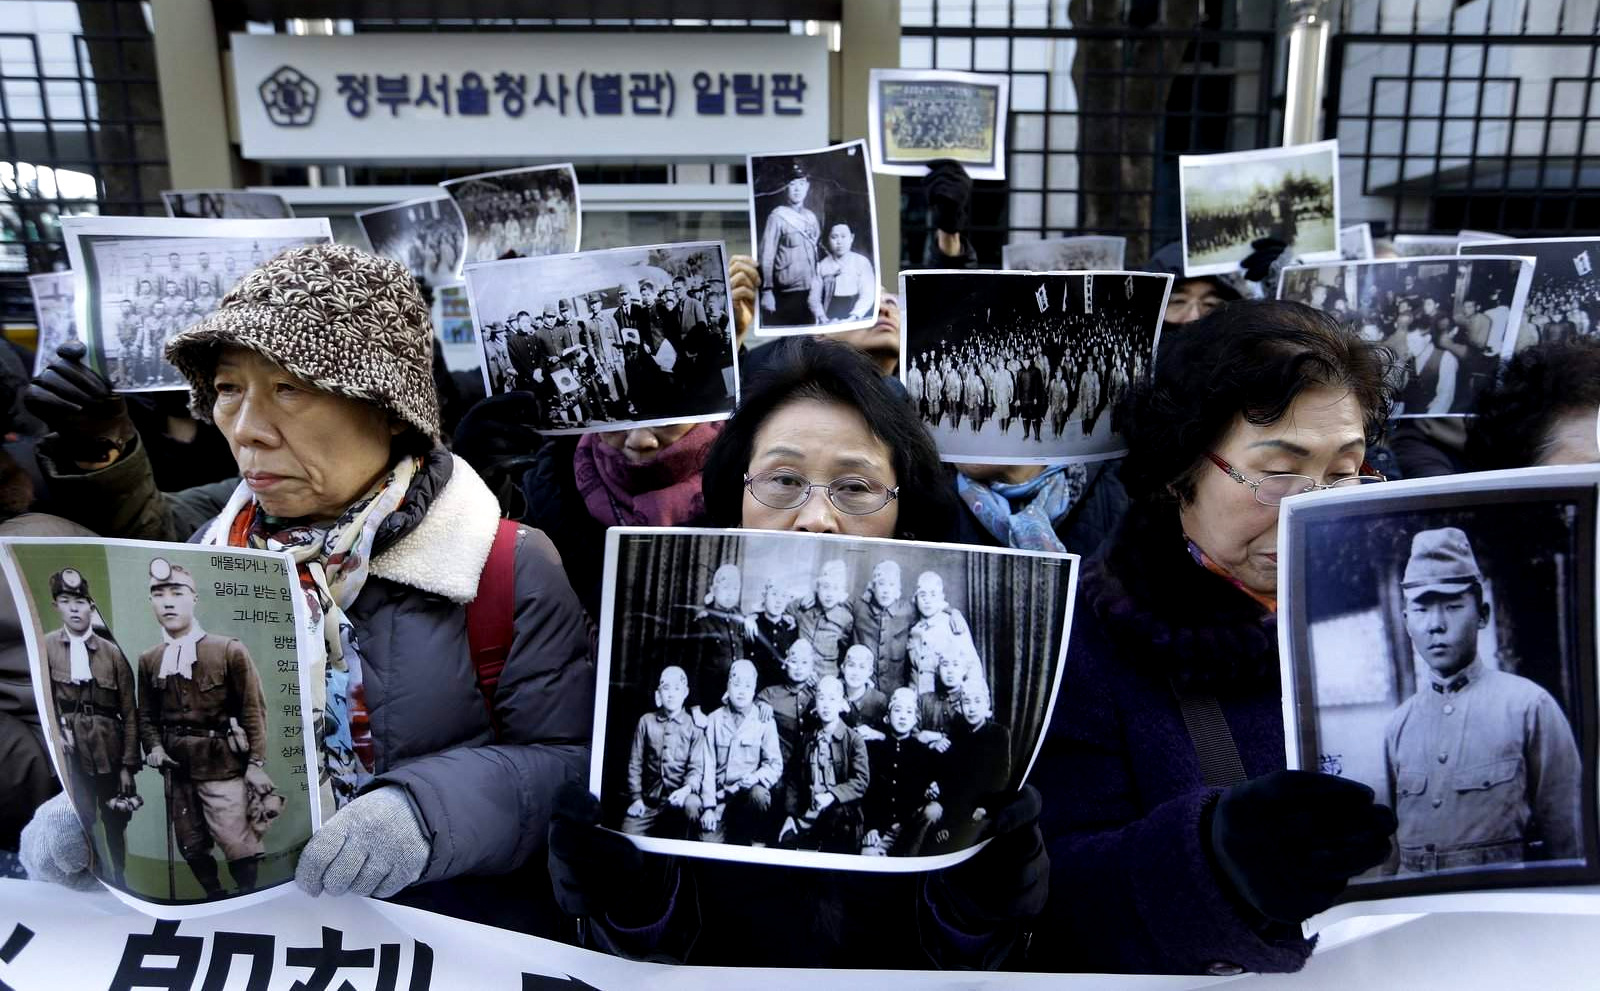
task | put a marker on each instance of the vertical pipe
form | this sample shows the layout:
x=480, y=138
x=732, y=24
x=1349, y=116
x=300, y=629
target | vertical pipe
x=1309, y=29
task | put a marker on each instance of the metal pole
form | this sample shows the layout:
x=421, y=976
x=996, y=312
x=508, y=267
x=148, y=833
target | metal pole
x=318, y=175
x=1309, y=28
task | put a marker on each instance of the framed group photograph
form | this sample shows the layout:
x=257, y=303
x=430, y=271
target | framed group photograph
x=519, y=213
x=1232, y=199
x=427, y=236
x=226, y=204
x=918, y=116
x=817, y=700
x=1438, y=645
x=1564, y=297
x=1086, y=253
x=996, y=360
x=53, y=309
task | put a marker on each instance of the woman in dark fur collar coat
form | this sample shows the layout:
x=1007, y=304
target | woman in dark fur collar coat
x=1164, y=860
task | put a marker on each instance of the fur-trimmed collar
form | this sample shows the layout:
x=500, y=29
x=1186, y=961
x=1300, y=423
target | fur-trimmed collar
x=445, y=551
x=1164, y=611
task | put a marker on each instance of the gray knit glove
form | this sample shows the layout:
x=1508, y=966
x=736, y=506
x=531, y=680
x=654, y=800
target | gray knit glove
x=373, y=846
x=53, y=846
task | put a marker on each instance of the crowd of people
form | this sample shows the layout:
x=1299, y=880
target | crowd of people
x=518, y=217
x=1276, y=211
x=429, y=246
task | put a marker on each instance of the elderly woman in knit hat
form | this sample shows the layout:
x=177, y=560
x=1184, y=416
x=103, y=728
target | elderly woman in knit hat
x=316, y=368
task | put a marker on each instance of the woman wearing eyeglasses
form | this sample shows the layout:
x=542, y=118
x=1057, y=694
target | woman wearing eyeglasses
x=1178, y=843
x=821, y=444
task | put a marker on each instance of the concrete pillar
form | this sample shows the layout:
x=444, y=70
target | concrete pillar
x=869, y=39
x=194, y=107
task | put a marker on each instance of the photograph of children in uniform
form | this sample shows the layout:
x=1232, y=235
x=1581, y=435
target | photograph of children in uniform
x=1442, y=653
x=1027, y=368
x=144, y=280
x=519, y=213
x=53, y=308
x=917, y=116
x=814, y=227
x=607, y=340
x=1564, y=297
x=427, y=236
x=1449, y=323
x=167, y=681
x=1236, y=198
x=225, y=204
x=1089, y=253
x=820, y=700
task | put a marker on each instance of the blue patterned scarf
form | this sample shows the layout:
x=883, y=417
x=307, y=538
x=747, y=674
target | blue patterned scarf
x=1045, y=500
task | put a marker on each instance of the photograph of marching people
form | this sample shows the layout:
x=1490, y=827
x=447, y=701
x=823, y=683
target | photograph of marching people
x=519, y=213
x=167, y=681
x=225, y=204
x=1450, y=322
x=820, y=700
x=1027, y=367
x=144, y=280
x=53, y=309
x=918, y=116
x=607, y=340
x=1236, y=198
x=1438, y=645
x=814, y=226
x=1355, y=243
x=1564, y=297
x=1088, y=253
x=427, y=236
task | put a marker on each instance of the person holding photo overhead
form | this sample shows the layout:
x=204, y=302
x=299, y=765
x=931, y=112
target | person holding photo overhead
x=789, y=255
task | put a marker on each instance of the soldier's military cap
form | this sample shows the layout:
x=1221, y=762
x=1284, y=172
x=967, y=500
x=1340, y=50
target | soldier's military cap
x=164, y=573
x=1442, y=562
x=69, y=581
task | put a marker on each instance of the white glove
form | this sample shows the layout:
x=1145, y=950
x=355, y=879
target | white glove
x=53, y=846
x=373, y=846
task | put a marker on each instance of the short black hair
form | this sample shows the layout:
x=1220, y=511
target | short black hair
x=808, y=368
x=1252, y=357
x=1540, y=385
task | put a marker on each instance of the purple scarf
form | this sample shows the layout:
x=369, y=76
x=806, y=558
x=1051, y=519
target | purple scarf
x=664, y=491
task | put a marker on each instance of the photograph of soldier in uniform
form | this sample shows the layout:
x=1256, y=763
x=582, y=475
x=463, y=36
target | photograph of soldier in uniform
x=230, y=204
x=814, y=227
x=53, y=308
x=427, y=236
x=918, y=116
x=1441, y=651
x=1233, y=199
x=788, y=770
x=611, y=339
x=519, y=213
x=144, y=280
x=1450, y=323
x=996, y=360
x=1088, y=253
x=169, y=688
x=1564, y=297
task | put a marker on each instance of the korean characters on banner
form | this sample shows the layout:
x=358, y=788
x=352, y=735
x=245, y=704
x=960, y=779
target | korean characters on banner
x=1234, y=199
x=141, y=281
x=168, y=681
x=916, y=117
x=813, y=221
x=519, y=213
x=817, y=700
x=994, y=361
x=1441, y=650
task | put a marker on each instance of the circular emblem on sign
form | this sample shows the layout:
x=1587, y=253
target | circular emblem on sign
x=290, y=97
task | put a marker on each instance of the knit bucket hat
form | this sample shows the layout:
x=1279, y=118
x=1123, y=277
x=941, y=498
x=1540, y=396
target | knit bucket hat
x=347, y=322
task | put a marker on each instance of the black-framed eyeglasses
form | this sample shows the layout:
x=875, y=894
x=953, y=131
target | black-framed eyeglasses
x=853, y=495
x=1271, y=490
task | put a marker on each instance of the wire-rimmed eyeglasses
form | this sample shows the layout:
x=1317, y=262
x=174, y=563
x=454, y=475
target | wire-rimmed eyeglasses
x=783, y=488
x=1271, y=490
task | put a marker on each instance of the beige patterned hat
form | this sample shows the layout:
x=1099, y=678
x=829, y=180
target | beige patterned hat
x=347, y=322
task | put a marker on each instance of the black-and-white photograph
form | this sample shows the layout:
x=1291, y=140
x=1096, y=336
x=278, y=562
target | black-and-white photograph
x=917, y=116
x=144, y=280
x=226, y=204
x=1355, y=243
x=814, y=224
x=1438, y=645
x=519, y=213
x=994, y=360
x=427, y=236
x=1232, y=199
x=819, y=700
x=1564, y=298
x=607, y=340
x=1450, y=323
x=53, y=311
x=1425, y=245
x=1087, y=253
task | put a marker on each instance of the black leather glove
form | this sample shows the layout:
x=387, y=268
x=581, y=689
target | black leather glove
x=1263, y=252
x=81, y=407
x=1008, y=880
x=949, y=191
x=1289, y=841
x=596, y=873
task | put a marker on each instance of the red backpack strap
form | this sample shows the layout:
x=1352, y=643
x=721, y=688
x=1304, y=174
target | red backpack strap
x=490, y=615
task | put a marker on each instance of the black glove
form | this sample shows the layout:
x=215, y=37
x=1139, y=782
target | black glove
x=949, y=191
x=1263, y=252
x=1008, y=880
x=1289, y=841
x=80, y=406
x=596, y=873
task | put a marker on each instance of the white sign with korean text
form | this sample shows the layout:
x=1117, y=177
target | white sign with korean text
x=515, y=97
